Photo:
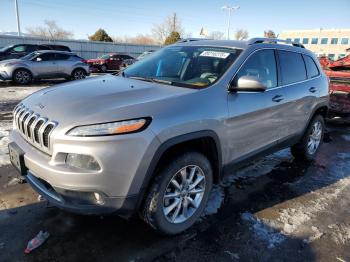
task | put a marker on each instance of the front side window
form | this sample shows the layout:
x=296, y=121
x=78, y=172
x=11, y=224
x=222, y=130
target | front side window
x=305, y=41
x=47, y=56
x=340, y=56
x=345, y=41
x=334, y=41
x=289, y=39
x=314, y=41
x=324, y=41
x=311, y=67
x=262, y=65
x=297, y=40
x=292, y=67
x=187, y=66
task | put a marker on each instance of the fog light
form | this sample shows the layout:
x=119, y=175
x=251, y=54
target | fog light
x=99, y=199
x=82, y=161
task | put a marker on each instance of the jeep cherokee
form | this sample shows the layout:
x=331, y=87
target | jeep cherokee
x=155, y=138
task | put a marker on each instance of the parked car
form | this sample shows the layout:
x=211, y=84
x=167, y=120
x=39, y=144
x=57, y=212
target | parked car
x=154, y=139
x=20, y=50
x=144, y=54
x=44, y=64
x=110, y=62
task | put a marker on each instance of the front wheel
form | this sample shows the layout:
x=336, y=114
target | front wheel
x=78, y=74
x=309, y=145
x=22, y=77
x=179, y=194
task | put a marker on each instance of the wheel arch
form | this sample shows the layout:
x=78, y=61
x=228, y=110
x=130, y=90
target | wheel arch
x=79, y=67
x=206, y=142
x=22, y=67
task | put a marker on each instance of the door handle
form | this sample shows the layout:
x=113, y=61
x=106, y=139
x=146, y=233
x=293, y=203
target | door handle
x=277, y=98
x=312, y=89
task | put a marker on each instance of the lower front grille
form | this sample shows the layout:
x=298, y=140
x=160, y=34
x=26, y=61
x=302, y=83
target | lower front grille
x=35, y=129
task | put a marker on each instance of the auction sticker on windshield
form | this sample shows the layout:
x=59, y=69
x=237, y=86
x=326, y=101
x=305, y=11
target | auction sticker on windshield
x=215, y=54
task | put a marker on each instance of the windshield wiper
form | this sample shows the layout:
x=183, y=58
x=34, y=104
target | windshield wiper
x=141, y=78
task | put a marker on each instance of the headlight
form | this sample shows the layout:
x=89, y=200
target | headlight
x=113, y=128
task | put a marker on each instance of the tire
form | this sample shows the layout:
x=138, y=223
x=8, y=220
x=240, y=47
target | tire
x=157, y=210
x=103, y=68
x=311, y=141
x=22, y=77
x=78, y=74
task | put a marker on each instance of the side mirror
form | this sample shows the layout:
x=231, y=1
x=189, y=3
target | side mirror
x=249, y=84
x=38, y=59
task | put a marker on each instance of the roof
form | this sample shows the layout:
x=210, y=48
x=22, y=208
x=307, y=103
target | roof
x=54, y=51
x=221, y=43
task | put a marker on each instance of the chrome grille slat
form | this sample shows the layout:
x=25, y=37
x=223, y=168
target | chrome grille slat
x=35, y=129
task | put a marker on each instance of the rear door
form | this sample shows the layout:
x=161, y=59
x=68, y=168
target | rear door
x=255, y=117
x=298, y=92
x=45, y=65
x=64, y=64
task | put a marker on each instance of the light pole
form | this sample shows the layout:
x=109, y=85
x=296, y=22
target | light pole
x=229, y=9
x=17, y=16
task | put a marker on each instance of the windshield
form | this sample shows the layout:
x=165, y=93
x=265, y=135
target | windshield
x=104, y=57
x=188, y=66
x=30, y=56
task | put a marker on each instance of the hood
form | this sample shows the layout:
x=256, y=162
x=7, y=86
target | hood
x=10, y=61
x=100, y=99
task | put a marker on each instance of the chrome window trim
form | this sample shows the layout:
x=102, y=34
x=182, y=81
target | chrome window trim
x=277, y=87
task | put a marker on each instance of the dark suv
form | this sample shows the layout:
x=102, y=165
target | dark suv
x=20, y=50
x=154, y=139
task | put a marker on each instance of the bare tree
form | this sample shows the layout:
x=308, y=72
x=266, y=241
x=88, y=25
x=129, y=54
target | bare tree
x=138, y=39
x=241, y=34
x=269, y=34
x=50, y=30
x=217, y=35
x=171, y=24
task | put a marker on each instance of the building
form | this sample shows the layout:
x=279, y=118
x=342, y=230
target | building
x=330, y=42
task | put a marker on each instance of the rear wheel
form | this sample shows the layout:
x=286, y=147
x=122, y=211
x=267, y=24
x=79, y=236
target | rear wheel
x=78, y=74
x=179, y=194
x=22, y=77
x=310, y=143
x=103, y=68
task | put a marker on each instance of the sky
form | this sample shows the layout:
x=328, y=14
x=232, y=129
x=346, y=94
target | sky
x=121, y=18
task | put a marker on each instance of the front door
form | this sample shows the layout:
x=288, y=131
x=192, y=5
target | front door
x=45, y=65
x=255, y=118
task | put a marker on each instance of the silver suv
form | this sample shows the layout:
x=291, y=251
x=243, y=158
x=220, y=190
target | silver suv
x=154, y=139
x=44, y=64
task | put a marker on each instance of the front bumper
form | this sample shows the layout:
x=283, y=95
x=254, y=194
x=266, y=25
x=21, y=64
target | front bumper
x=123, y=160
x=81, y=202
x=4, y=75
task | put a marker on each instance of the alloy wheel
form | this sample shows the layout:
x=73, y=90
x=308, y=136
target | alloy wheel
x=314, y=139
x=79, y=74
x=184, y=194
x=22, y=77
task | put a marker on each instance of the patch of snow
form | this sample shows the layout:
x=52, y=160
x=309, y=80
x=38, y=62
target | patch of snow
x=263, y=231
x=215, y=200
x=5, y=127
x=340, y=233
x=316, y=235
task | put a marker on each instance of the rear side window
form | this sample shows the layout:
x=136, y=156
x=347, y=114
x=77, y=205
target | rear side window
x=261, y=64
x=62, y=56
x=311, y=67
x=292, y=67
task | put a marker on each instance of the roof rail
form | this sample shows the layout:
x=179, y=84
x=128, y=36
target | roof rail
x=192, y=39
x=274, y=41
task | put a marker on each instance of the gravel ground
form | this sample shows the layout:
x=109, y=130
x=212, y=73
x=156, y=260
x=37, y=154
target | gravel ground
x=275, y=209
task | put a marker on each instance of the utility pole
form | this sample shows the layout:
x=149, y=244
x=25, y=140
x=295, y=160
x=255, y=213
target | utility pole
x=17, y=16
x=174, y=22
x=230, y=9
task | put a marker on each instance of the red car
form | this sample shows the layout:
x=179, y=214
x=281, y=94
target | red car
x=110, y=62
